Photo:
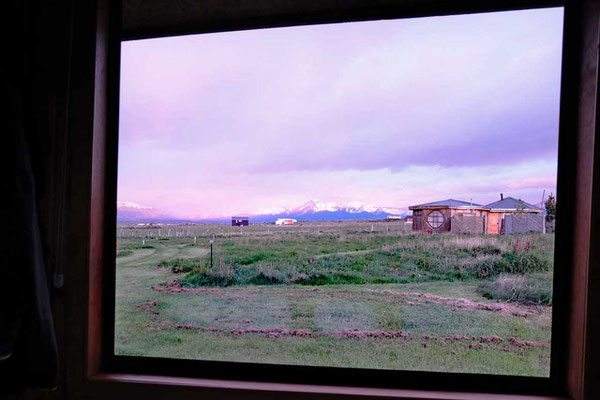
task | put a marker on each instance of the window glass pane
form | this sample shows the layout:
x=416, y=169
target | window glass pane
x=364, y=195
x=435, y=219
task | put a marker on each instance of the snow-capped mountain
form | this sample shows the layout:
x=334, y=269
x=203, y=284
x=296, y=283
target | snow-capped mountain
x=352, y=207
x=128, y=211
x=315, y=210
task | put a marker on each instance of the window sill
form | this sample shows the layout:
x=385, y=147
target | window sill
x=182, y=388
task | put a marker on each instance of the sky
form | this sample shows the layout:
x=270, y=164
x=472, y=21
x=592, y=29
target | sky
x=386, y=113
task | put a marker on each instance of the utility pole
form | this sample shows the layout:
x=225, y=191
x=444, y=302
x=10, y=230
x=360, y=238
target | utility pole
x=211, y=252
x=543, y=196
x=543, y=207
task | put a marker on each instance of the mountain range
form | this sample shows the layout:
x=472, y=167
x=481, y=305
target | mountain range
x=312, y=210
x=128, y=211
x=315, y=210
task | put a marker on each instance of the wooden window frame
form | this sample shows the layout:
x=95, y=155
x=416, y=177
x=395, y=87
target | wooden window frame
x=89, y=369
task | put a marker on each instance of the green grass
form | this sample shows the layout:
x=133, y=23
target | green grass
x=400, y=259
x=332, y=277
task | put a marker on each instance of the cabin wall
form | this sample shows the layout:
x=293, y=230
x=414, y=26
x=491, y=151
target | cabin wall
x=474, y=223
x=420, y=220
x=496, y=224
x=523, y=223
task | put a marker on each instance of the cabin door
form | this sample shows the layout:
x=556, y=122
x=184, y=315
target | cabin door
x=493, y=223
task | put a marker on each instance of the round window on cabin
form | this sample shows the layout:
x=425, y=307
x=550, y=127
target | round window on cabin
x=435, y=219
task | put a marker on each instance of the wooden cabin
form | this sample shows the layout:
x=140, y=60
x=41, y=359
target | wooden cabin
x=436, y=217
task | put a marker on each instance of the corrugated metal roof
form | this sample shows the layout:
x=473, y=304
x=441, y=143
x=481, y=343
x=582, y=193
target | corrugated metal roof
x=510, y=203
x=448, y=203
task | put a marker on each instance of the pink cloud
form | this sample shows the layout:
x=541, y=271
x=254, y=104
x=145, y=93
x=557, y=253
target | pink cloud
x=387, y=112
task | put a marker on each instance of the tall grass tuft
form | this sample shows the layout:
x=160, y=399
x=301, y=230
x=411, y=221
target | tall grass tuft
x=531, y=289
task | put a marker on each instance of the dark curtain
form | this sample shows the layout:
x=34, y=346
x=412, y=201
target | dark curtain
x=28, y=349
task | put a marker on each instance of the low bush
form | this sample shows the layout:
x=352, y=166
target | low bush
x=205, y=278
x=486, y=250
x=136, y=246
x=178, y=266
x=264, y=279
x=512, y=263
x=223, y=275
x=531, y=288
x=253, y=258
x=124, y=253
x=317, y=279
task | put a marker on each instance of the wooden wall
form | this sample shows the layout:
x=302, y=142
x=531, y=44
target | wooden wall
x=420, y=221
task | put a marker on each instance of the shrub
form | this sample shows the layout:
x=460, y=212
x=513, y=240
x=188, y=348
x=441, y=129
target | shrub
x=513, y=263
x=533, y=288
x=144, y=246
x=317, y=279
x=486, y=250
x=251, y=259
x=178, y=266
x=222, y=275
x=263, y=279
x=124, y=253
x=382, y=281
x=205, y=278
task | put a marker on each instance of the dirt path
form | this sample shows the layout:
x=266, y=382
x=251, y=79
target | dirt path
x=136, y=256
x=160, y=253
x=137, y=273
x=387, y=247
x=466, y=304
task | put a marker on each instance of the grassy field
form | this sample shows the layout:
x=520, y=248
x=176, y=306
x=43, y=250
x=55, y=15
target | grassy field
x=358, y=294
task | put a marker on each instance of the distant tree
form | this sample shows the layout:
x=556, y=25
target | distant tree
x=550, y=208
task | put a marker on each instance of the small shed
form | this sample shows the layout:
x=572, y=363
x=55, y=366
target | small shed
x=437, y=216
x=240, y=221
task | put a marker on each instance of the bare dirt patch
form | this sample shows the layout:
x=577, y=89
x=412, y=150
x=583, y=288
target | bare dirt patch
x=472, y=342
x=149, y=307
x=465, y=304
x=528, y=343
x=175, y=287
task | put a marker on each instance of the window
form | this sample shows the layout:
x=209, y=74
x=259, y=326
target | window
x=323, y=270
x=435, y=219
x=489, y=381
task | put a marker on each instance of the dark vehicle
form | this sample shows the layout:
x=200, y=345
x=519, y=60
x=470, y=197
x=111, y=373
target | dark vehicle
x=239, y=221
